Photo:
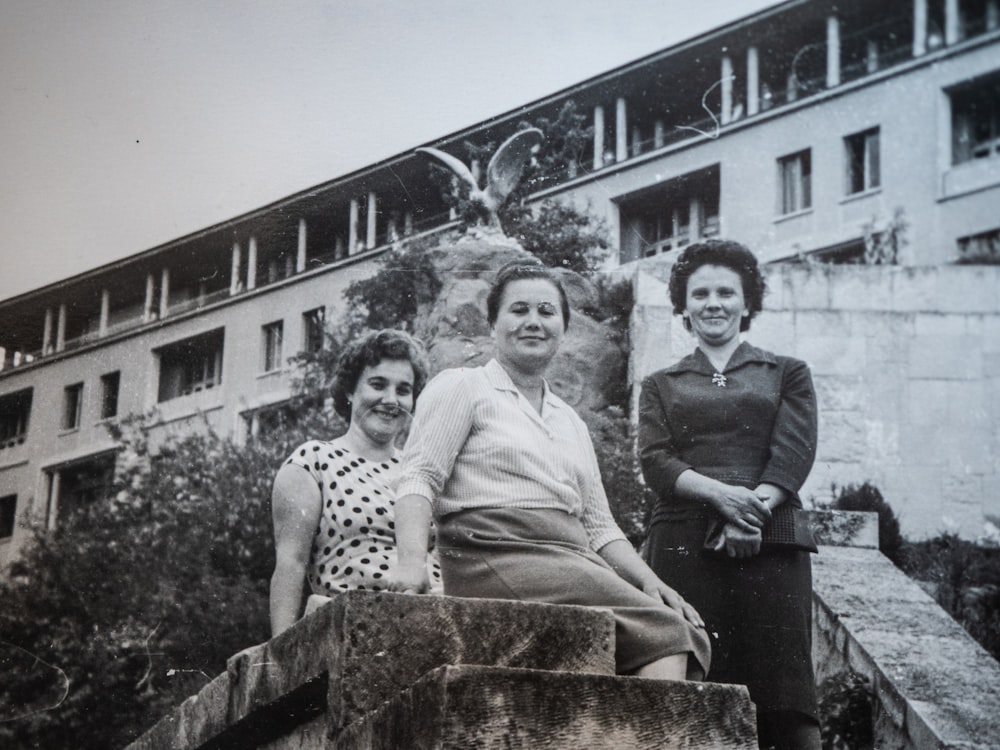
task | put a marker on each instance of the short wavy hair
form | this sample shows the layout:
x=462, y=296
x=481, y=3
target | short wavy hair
x=728, y=254
x=368, y=351
x=519, y=270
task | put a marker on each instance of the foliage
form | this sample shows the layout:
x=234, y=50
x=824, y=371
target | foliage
x=867, y=497
x=630, y=500
x=885, y=242
x=845, y=709
x=140, y=598
x=965, y=578
x=392, y=297
x=559, y=234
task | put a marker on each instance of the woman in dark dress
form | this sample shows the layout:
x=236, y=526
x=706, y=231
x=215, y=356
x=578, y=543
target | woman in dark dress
x=727, y=435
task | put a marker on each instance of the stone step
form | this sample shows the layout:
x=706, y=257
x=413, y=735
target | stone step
x=361, y=649
x=457, y=708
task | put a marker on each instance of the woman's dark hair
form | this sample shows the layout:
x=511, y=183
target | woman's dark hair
x=518, y=270
x=368, y=351
x=726, y=253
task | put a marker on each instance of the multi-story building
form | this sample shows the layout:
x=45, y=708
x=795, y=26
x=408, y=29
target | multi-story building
x=812, y=129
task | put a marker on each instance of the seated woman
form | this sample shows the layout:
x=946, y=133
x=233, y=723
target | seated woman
x=332, y=501
x=509, y=471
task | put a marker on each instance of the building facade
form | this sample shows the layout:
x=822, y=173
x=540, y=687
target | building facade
x=812, y=131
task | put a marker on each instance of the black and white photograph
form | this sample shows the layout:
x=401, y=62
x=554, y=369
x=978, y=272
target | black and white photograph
x=541, y=374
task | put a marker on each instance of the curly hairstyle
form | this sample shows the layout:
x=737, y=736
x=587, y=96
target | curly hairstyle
x=728, y=254
x=518, y=270
x=368, y=351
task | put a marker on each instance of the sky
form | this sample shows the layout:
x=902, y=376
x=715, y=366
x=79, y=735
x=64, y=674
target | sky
x=125, y=124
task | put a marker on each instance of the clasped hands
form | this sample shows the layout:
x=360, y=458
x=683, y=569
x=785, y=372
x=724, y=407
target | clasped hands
x=745, y=512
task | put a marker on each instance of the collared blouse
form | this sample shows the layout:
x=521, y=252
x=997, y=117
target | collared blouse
x=476, y=442
x=754, y=422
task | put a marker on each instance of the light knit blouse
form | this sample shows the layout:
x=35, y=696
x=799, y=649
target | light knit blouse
x=476, y=442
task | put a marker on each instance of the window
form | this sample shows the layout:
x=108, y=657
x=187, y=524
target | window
x=109, y=394
x=72, y=488
x=272, y=334
x=314, y=326
x=862, y=157
x=191, y=365
x=980, y=248
x=72, y=406
x=15, y=409
x=670, y=215
x=8, y=515
x=975, y=120
x=795, y=178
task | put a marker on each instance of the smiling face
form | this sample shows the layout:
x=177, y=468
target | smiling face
x=529, y=325
x=382, y=401
x=715, y=305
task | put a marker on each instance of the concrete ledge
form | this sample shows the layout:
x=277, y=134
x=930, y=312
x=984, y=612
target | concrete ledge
x=361, y=649
x=934, y=685
x=455, y=708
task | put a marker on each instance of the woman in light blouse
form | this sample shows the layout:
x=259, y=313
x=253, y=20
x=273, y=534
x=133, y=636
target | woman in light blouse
x=508, y=471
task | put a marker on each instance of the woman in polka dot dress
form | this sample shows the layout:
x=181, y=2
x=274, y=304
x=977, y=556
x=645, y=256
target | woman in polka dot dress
x=333, y=501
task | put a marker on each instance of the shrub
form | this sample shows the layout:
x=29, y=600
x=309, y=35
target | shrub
x=966, y=582
x=845, y=711
x=868, y=498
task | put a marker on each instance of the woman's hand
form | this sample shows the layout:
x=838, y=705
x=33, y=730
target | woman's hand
x=410, y=579
x=745, y=509
x=663, y=593
x=737, y=542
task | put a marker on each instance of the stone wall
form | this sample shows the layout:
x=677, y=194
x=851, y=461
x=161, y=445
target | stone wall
x=933, y=686
x=906, y=363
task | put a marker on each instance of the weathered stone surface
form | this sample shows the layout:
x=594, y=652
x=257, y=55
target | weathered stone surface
x=390, y=640
x=361, y=649
x=455, y=708
x=844, y=528
x=934, y=685
x=192, y=724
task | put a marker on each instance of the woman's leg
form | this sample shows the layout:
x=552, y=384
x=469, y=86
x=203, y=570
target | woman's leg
x=673, y=667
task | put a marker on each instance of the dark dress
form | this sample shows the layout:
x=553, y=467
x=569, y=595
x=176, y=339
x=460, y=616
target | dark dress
x=756, y=424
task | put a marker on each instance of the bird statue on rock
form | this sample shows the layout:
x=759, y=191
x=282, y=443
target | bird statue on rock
x=502, y=173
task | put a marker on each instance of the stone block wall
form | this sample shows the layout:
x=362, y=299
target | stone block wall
x=377, y=671
x=906, y=363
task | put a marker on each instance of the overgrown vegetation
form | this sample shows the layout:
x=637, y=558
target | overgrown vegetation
x=845, y=710
x=136, y=601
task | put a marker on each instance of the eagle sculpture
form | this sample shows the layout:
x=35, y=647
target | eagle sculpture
x=502, y=173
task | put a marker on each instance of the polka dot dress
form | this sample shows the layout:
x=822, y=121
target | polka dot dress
x=355, y=544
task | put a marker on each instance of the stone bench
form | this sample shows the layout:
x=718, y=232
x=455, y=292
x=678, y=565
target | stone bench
x=372, y=668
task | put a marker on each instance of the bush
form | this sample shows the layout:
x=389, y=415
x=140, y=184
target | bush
x=868, y=498
x=845, y=711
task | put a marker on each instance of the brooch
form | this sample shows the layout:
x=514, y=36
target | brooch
x=719, y=380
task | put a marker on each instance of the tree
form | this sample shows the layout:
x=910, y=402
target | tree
x=138, y=600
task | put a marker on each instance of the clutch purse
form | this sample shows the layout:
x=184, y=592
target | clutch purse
x=788, y=529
